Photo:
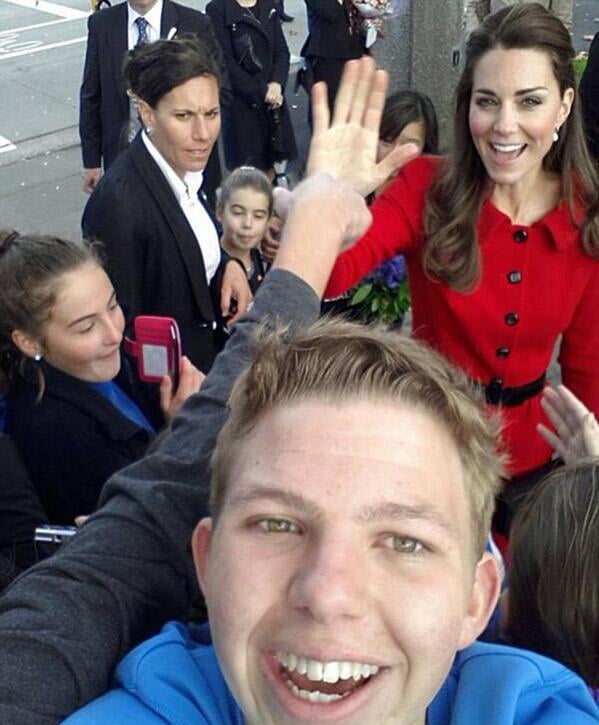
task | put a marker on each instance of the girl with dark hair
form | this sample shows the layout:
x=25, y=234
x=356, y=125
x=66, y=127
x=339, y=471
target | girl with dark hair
x=162, y=246
x=75, y=410
x=409, y=117
x=501, y=237
x=243, y=209
x=552, y=605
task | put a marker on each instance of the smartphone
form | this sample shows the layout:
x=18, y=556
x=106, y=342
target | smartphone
x=54, y=534
x=157, y=347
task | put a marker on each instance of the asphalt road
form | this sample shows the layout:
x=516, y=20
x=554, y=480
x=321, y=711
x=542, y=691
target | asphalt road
x=42, y=46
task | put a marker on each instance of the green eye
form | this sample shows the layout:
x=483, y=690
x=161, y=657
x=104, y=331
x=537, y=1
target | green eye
x=278, y=526
x=405, y=545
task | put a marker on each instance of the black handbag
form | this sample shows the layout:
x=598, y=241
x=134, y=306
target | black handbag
x=243, y=50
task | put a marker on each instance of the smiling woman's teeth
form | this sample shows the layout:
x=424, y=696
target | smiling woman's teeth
x=507, y=148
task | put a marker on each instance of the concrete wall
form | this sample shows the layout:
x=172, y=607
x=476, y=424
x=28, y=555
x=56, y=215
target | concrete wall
x=423, y=48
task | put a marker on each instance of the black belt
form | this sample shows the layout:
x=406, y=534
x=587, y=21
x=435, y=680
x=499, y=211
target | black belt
x=497, y=394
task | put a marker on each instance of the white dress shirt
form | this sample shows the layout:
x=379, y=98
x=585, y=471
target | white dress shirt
x=153, y=17
x=186, y=192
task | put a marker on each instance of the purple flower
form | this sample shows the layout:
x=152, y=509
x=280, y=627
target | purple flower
x=390, y=274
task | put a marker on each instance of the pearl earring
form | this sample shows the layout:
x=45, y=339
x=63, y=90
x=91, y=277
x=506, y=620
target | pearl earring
x=149, y=130
x=38, y=356
x=556, y=135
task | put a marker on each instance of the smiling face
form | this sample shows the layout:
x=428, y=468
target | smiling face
x=340, y=578
x=84, y=333
x=515, y=108
x=185, y=123
x=244, y=219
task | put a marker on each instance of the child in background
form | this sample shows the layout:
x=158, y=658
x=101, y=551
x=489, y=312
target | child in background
x=243, y=209
x=552, y=603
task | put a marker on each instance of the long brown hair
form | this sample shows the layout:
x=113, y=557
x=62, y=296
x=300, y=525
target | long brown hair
x=455, y=199
x=554, y=574
x=31, y=269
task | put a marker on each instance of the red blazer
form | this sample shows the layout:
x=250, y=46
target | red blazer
x=536, y=285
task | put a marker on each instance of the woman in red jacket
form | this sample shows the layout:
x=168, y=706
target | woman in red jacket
x=501, y=238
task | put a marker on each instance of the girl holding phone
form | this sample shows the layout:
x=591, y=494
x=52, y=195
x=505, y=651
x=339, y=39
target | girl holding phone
x=75, y=409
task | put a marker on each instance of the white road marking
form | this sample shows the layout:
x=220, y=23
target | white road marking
x=6, y=145
x=38, y=49
x=63, y=11
x=36, y=26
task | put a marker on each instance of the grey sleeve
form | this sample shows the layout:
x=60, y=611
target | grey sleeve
x=65, y=623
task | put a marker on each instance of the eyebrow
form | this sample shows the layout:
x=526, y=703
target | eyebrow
x=89, y=317
x=523, y=92
x=385, y=511
x=391, y=511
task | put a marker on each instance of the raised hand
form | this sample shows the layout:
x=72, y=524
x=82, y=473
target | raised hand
x=576, y=432
x=346, y=148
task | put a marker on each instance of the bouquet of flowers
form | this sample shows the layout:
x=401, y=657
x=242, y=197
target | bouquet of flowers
x=384, y=293
x=371, y=14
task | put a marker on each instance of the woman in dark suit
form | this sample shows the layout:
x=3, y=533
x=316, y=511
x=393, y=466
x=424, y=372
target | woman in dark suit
x=164, y=257
x=334, y=38
x=257, y=128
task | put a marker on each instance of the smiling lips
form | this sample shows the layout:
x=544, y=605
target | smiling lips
x=323, y=682
x=507, y=152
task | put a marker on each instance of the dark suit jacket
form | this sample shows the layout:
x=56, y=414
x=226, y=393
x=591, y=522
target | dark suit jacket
x=104, y=105
x=154, y=260
x=330, y=35
x=246, y=122
x=73, y=439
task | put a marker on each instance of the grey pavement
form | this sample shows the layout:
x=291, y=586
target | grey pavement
x=42, y=46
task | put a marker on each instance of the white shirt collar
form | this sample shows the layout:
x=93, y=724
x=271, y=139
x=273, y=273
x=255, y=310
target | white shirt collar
x=185, y=189
x=153, y=16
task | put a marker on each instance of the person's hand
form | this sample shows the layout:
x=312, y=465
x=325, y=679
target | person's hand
x=90, y=179
x=235, y=293
x=274, y=95
x=322, y=216
x=270, y=243
x=80, y=520
x=346, y=148
x=190, y=381
x=576, y=432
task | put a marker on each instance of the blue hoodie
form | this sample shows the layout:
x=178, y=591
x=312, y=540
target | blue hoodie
x=175, y=678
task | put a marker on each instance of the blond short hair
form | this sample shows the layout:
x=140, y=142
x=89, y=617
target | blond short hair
x=340, y=361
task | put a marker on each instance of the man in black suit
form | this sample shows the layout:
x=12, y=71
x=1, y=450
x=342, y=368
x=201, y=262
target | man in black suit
x=104, y=111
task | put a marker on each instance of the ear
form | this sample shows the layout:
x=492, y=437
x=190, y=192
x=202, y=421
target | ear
x=200, y=544
x=484, y=596
x=218, y=211
x=566, y=106
x=25, y=343
x=146, y=112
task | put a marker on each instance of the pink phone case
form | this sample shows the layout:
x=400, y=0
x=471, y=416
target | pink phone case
x=157, y=347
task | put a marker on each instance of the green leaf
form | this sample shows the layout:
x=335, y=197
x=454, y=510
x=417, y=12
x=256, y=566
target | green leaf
x=375, y=304
x=361, y=294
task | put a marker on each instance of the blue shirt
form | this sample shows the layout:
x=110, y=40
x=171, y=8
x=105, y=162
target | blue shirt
x=174, y=678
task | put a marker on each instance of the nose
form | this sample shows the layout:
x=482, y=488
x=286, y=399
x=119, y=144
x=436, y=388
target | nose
x=113, y=330
x=330, y=583
x=505, y=120
x=200, y=129
x=247, y=221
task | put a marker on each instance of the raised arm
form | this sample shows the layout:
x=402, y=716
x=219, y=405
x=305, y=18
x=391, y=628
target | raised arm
x=65, y=623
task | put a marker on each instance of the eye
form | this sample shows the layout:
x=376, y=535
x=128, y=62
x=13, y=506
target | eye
x=278, y=526
x=183, y=115
x=213, y=114
x=404, y=544
x=83, y=330
x=531, y=101
x=485, y=101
